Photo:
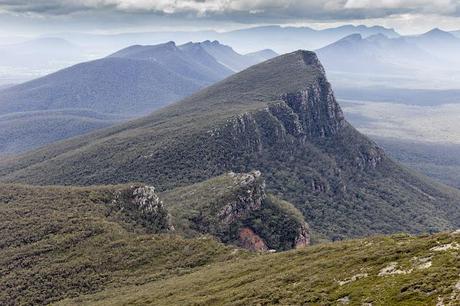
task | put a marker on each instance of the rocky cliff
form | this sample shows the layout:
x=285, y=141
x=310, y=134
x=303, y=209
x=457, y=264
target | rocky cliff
x=236, y=209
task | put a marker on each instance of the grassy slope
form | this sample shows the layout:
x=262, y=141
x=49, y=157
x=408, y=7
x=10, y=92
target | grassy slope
x=58, y=242
x=318, y=275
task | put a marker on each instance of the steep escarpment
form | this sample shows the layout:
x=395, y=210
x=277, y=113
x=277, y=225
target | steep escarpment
x=279, y=117
x=236, y=209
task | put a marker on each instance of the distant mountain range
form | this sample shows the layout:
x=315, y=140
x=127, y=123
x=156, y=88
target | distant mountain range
x=430, y=58
x=131, y=82
x=376, y=54
x=40, y=53
x=279, y=117
x=282, y=39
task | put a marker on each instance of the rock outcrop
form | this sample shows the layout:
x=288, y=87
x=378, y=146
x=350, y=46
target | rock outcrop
x=248, y=197
x=142, y=205
x=263, y=223
x=236, y=209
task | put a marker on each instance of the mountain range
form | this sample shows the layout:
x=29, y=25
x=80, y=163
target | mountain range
x=279, y=117
x=281, y=39
x=131, y=82
x=44, y=52
x=427, y=60
x=187, y=205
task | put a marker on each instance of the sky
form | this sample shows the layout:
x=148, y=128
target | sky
x=41, y=17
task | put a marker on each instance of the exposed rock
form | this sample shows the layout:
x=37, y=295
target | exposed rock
x=422, y=263
x=316, y=108
x=303, y=238
x=249, y=198
x=144, y=206
x=251, y=241
x=392, y=269
x=245, y=203
x=344, y=301
x=446, y=247
x=352, y=279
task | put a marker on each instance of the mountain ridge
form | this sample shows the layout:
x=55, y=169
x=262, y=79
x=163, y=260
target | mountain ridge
x=280, y=117
x=128, y=83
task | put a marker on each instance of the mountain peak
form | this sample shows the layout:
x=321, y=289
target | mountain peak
x=437, y=33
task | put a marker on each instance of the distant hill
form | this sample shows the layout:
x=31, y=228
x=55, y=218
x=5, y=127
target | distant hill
x=287, y=39
x=456, y=33
x=131, y=82
x=47, y=53
x=229, y=58
x=281, y=39
x=20, y=132
x=279, y=117
x=376, y=54
x=440, y=43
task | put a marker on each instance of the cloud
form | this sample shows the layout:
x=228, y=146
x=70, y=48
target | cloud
x=228, y=9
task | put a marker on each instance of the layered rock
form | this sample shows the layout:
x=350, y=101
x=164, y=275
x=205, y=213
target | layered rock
x=245, y=200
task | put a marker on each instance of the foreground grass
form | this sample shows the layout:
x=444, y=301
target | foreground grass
x=397, y=270
x=59, y=242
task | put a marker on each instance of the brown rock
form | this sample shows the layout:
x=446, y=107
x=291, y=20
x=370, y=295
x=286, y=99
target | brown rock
x=251, y=241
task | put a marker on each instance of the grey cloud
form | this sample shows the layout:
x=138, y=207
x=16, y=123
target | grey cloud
x=241, y=9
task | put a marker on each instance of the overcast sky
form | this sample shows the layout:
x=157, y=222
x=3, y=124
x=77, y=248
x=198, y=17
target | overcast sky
x=32, y=17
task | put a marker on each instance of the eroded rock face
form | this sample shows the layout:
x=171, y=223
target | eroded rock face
x=249, y=198
x=143, y=205
x=262, y=222
x=318, y=112
x=251, y=241
x=303, y=238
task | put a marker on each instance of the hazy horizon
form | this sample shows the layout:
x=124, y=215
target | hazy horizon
x=50, y=17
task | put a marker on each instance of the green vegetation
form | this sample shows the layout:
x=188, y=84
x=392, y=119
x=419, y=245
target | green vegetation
x=396, y=270
x=76, y=246
x=58, y=242
x=62, y=242
x=436, y=160
x=279, y=117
